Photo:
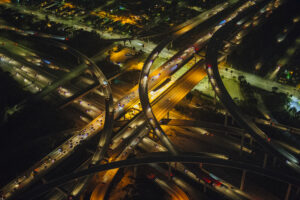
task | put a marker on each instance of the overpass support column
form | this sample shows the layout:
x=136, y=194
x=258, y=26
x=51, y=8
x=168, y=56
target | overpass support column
x=215, y=99
x=243, y=180
x=169, y=171
x=135, y=168
x=226, y=119
x=64, y=192
x=204, y=188
x=251, y=141
x=287, y=194
x=59, y=189
x=135, y=172
x=265, y=160
x=242, y=144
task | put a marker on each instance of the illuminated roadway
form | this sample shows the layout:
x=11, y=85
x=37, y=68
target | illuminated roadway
x=202, y=124
x=143, y=84
x=157, y=159
x=91, y=128
x=97, y=120
x=278, y=126
x=209, y=180
x=161, y=107
x=126, y=104
x=112, y=36
x=216, y=81
x=143, y=91
x=185, y=27
x=109, y=111
x=143, y=81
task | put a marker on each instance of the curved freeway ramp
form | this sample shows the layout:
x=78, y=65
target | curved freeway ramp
x=143, y=81
x=217, y=84
x=104, y=83
x=36, y=192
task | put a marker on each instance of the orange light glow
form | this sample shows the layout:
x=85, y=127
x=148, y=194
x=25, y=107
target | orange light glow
x=68, y=5
x=131, y=19
x=5, y=1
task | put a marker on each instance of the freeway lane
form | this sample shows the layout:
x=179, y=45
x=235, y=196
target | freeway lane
x=97, y=193
x=180, y=89
x=166, y=70
x=227, y=190
x=157, y=159
x=143, y=89
x=94, y=126
x=193, y=74
x=143, y=81
x=113, y=36
x=203, y=124
x=64, y=151
x=109, y=111
x=278, y=126
x=161, y=74
x=186, y=82
x=87, y=63
x=216, y=81
x=174, y=94
x=173, y=188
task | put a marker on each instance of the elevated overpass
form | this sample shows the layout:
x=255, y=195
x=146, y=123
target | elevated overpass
x=36, y=192
x=103, y=82
x=217, y=83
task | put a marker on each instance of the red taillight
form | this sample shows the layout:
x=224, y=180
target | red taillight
x=170, y=174
x=151, y=176
x=217, y=183
x=207, y=180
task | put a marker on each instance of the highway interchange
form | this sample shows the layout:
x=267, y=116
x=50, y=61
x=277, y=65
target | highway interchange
x=134, y=133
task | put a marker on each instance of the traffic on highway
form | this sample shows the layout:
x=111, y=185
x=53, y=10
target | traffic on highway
x=121, y=123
